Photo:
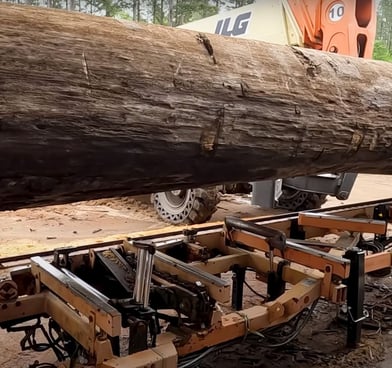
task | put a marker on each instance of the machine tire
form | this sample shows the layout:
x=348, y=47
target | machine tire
x=296, y=200
x=187, y=206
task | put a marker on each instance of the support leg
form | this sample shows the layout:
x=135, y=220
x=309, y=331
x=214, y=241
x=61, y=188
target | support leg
x=355, y=296
x=238, y=287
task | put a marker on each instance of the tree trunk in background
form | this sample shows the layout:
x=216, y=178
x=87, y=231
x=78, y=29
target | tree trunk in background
x=93, y=107
x=72, y=5
x=170, y=12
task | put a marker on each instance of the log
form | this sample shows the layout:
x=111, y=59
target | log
x=96, y=107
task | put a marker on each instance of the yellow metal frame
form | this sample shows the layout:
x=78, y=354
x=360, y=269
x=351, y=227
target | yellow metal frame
x=91, y=320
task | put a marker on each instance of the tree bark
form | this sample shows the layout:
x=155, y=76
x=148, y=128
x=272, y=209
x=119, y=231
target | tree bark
x=93, y=107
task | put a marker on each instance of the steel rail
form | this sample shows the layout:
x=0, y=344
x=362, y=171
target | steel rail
x=283, y=216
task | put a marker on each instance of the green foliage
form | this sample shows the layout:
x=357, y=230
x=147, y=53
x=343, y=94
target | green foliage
x=238, y=3
x=381, y=52
x=123, y=15
x=190, y=10
x=384, y=24
x=108, y=8
x=168, y=12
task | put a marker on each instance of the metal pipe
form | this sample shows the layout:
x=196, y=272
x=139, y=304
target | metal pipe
x=318, y=253
x=143, y=273
x=145, y=260
x=140, y=274
x=147, y=280
x=145, y=276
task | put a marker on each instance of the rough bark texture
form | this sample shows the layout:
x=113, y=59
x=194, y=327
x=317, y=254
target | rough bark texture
x=93, y=107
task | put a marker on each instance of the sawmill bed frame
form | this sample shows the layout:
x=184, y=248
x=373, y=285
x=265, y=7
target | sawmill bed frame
x=96, y=295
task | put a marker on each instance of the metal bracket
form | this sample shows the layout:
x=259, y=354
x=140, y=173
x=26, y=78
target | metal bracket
x=365, y=315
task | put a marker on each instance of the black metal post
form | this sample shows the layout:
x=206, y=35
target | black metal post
x=381, y=213
x=355, y=296
x=237, y=292
x=276, y=286
x=137, y=335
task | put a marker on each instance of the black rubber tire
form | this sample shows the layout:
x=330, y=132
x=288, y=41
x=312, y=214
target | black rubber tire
x=204, y=205
x=237, y=188
x=295, y=200
x=198, y=206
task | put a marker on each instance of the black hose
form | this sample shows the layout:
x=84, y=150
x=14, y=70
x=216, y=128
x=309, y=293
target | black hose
x=193, y=360
x=254, y=291
x=42, y=365
x=296, y=331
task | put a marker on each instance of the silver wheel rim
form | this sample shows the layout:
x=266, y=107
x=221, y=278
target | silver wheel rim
x=174, y=206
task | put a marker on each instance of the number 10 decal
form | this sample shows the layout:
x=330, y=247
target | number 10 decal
x=336, y=12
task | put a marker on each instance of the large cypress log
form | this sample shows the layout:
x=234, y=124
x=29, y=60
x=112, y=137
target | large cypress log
x=93, y=107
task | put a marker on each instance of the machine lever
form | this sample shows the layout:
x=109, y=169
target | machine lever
x=275, y=238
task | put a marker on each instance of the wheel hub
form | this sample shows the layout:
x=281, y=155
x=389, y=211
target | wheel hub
x=174, y=205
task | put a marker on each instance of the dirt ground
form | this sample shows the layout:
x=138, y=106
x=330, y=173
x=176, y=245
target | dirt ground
x=31, y=230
